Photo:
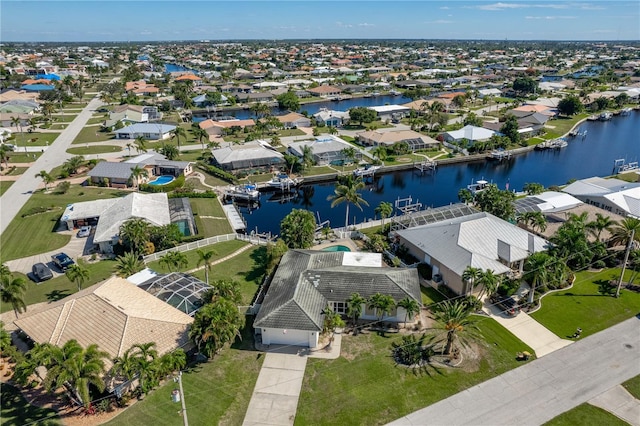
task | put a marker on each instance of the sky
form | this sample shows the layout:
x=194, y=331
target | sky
x=159, y=20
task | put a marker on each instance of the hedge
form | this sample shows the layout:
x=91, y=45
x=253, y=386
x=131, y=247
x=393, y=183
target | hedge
x=215, y=171
x=207, y=194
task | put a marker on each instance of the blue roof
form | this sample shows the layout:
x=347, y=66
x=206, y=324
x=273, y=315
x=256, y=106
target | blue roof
x=36, y=87
x=49, y=76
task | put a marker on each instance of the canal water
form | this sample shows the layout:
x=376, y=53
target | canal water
x=592, y=156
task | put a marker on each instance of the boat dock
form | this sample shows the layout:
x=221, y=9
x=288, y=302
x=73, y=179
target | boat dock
x=621, y=166
x=500, y=154
x=426, y=166
x=234, y=217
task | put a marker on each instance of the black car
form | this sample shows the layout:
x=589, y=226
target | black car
x=507, y=304
x=41, y=272
x=62, y=261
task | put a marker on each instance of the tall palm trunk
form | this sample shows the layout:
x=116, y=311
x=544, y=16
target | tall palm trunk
x=346, y=218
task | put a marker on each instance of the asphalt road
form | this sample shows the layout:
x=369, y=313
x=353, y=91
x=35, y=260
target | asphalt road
x=19, y=193
x=546, y=387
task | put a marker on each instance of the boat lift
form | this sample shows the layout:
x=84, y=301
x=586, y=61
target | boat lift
x=406, y=205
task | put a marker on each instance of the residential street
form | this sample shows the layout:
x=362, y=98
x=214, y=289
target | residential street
x=17, y=195
x=542, y=389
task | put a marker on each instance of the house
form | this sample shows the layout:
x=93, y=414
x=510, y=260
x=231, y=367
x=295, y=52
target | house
x=470, y=133
x=197, y=81
x=327, y=149
x=219, y=128
x=529, y=123
x=489, y=93
x=141, y=88
x=114, y=315
x=390, y=112
x=132, y=114
x=145, y=130
x=20, y=106
x=325, y=91
x=455, y=237
x=307, y=281
x=250, y=155
x=293, y=120
x=414, y=139
x=118, y=175
x=331, y=118
x=612, y=195
x=546, y=202
x=254, y=97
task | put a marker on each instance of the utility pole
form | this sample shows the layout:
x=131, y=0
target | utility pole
x=626, y=258
x=184, y=407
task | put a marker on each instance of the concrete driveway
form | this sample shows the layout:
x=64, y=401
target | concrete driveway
x=75, y=248
x=275, y=397
x=531, y=332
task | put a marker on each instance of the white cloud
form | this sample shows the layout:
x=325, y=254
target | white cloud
x=550, y=18
x=145, y=32
x=439, y=21
x=505, y=6
x=366, y=24
x=445, y=8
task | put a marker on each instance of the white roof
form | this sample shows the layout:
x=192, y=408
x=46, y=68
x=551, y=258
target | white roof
x=145, y=275
x=356, y=258
x=154, y=208
x=389, y=108
x=471, y=133
x=87, y=209
x=479, y=240
x=321, y=145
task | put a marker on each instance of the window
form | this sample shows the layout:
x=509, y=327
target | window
x=339, y=307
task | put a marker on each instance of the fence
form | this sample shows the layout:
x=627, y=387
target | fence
x=251, y=238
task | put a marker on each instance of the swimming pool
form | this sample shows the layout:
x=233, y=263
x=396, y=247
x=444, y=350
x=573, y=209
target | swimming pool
x=162, y=180
x=337, y=248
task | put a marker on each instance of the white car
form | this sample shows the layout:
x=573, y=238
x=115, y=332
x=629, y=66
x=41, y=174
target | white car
x=84, y=231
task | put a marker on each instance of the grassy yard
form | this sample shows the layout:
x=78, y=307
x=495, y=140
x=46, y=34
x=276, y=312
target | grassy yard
x=627, y=177
x=38, y=229
x=98, y=120
x=36, y=139
x=586, y=414
x=216, y=392
x=17, y=411
x=94, y=149
x=15, y=171
x=60, y=287
x=222, y=249
x=194, y=155
x=633, y=386
x=245, y=268
x=562, y=125
x=582, y=306
x=356, y=385
x=208, y=226
x=23, y=157
x=63, y=118
x=92, y=134
x=431, y=296
x=4, y=185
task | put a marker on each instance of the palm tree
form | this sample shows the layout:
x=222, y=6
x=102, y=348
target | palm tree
x=226, y=289
x=177, y=133
x=73, y=365
x=470, y=276
x=125, y=365
x=145, y=355
x=260, y=109
x=354, y=308
x=411, y=308
x=602, y=223
x=128, y=264
x=72, y=165
x=46, y=178
x=349, y=154
x=382, y=303
x=135, y=234
x=536, y=271
x=141, y=144
x=453, y=317
x=4, y=270
x=621, y=234
x=174, y=259
x=379, y=152
x=136, y=173
x=4, y=156
x=489, y=282
x=465, y=195
x=48, y=108
x=307, y=157
x=200, y=134
x=214, y=325
x=17, y=122
x=173, y=361
x=78, y=274
x=12, y=292
x=348, y=193
x=384, y=209
x=206, y=258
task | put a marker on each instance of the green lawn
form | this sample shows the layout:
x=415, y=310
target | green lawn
x=431, y=296
x=216, y=393
x=63, y=118
x=194, y=155
x=60, y=287
x=4, y=185
x=633, y=386
x=245, y=268
x=357, y=385
x=94, y=149
x=23, y=157
x=97, y=120
x=582, y=306
x=17, y=411
x=17, y=171
x=627, y=177
x=586, y=414
x=562, y=125
x=38, y=229
x=223, y=249
x=208, y=226
x=36, y=139
x=92, y=134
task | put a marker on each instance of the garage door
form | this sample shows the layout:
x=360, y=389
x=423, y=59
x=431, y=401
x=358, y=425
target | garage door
x=288, y=337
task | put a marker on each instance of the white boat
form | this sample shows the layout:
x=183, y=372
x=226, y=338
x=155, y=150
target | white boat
x=558, y=143
x=478, y=186
x=626, y=111
x=243, y=192
x=394, y=92
x=283, y=182
x=605, y=116
x=367, y=170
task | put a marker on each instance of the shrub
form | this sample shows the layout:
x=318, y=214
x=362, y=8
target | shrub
x=62, y=187
x=217, y=172
x=206, y=194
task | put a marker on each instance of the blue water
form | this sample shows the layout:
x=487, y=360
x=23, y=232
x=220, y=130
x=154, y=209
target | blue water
x=162, y=180
x=337, y=248
x=175, y=68
x=332, y=105
x=593, y=156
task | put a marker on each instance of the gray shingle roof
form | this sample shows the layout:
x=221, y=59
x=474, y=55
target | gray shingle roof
x=112, y=170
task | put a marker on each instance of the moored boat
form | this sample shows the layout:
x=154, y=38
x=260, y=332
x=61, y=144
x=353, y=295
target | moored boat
x=605, y=116
x=243, y=192
x=283, y=182
x=478, y=186
x=367, y=170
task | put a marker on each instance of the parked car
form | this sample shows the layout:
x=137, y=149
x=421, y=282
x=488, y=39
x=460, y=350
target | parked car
x=62, y=261
x=84, y=231
x=41, y=272
x=507, y=304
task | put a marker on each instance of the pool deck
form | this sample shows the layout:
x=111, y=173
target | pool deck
x=342, y=242
x=153, y=182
